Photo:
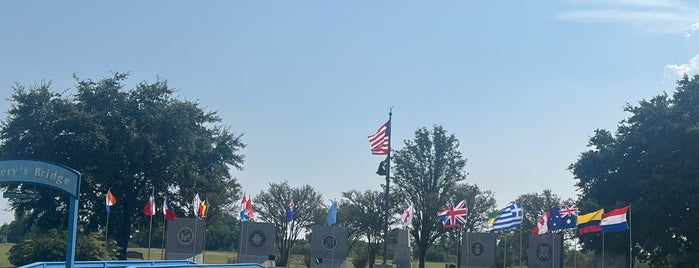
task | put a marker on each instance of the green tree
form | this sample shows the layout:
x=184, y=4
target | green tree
x=425, y=172
x=533, y=206
x=51, y=246
x=129, y=141
x=480, y=204
x=363, y=214
x=272, y=207
x=651, y=163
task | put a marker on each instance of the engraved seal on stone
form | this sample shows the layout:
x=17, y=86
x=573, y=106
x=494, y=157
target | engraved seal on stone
x=329, y=242
x=257, y=238
x=543, y=252
x=477, y=249
x=185, y=235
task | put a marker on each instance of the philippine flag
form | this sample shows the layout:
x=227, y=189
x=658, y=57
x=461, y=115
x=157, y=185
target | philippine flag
x=615, y=220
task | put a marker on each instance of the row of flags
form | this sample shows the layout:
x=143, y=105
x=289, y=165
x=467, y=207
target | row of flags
x=150, y=208
x=505, y=219
x=246, y=212
x=593, y=222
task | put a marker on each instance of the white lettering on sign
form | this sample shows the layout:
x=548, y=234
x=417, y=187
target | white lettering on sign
x=51, y=175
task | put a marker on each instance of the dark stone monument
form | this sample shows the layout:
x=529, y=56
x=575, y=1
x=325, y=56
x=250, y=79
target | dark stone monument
x=256, y=243
x=478, y=250
x=402, y=255
x=545, y=251
x=328, y=247
x=185, y=240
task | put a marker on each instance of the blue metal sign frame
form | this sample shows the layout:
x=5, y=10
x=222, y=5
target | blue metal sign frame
x=52, y=175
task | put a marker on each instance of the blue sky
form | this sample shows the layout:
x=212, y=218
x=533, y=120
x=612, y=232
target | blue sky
x=522, y=84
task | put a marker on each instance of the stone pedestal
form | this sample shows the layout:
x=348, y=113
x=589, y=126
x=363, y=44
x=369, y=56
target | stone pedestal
x=328, y=247
x=545, y=251
x=478, y=250
x=402, y=255
x=185, y=240
x=256, y=243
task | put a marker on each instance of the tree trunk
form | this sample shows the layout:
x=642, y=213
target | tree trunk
x=423, y=252
x=125, y=228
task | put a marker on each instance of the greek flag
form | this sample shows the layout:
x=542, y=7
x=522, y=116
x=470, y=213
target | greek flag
x=508, y=218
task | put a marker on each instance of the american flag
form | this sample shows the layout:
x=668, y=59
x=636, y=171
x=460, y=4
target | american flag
x=454, y=216
x=569, y=211
x=379, y=141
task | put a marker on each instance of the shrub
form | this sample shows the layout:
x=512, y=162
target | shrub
x=361, y=261
x=52, y=247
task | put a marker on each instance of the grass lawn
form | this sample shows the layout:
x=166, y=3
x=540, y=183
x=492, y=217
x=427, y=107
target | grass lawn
x=210, y=257
x=216, y=257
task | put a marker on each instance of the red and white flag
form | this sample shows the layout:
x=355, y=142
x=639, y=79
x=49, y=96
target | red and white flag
x=149, y=208
x=541, y=226
x=379, y=141
x=168, y=211
x=407, y=217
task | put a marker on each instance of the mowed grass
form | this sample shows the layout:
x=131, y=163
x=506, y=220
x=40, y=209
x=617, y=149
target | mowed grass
x=210, y=257
x=219, y=257
x=4, y=253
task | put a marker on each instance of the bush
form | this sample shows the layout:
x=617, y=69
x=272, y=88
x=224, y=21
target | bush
x=361, y=261
x=52, y=247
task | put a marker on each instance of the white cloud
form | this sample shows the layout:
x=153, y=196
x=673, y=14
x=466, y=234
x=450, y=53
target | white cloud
x=692, y=28
x=657, y=16
x=674, y=72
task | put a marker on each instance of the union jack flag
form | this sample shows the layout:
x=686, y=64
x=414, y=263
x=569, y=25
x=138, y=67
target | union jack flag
x=569, y=211
x=454, y=216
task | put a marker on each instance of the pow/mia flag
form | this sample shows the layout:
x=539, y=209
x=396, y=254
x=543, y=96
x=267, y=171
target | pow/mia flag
x=612, y=260
x=328, y=246
x=477, y=250
x=185, y=240
x=256, y=242
x=383, y=168
x=545, y=251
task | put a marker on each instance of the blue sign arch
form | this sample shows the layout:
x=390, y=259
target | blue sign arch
x=52, y=175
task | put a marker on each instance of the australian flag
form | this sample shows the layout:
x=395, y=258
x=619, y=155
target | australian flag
x=454, y=216
x=563, y=218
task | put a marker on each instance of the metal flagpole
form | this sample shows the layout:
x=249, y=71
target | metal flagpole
x=388, y=176
x=553, y=249
x=504, y=256
x=150, y=227
x=162, y=246
x=628, y=212
x=106, y=233
x=602, y=249
x=150, y=234
x=194, y=250
x=520, y=245
x=468, y=250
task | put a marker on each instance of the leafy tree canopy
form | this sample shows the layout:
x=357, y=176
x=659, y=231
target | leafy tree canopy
x=652, y=164
x=425, y=172
x=130, y=141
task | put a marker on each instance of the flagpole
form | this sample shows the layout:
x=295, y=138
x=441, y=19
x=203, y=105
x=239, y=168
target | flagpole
x=468, y=250
x=194, y=256
x=150, y=235
x=520, y=246
x=388, y=176
x=106, y=233
x=504, y=255
x=162, y=246
x=553, y=249
x=150, y=227
x=628, y=212
x=602, y=249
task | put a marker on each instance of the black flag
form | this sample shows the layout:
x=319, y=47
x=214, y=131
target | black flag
x=383, y=168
